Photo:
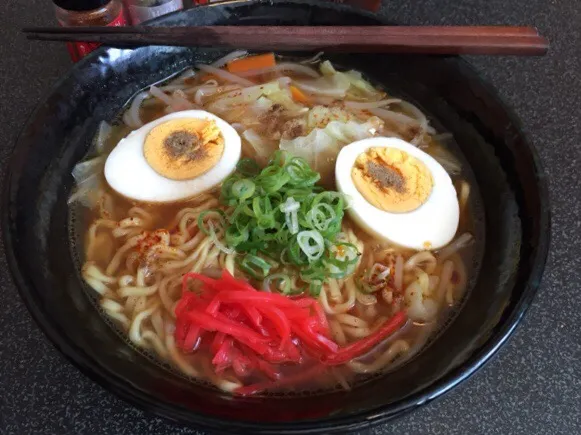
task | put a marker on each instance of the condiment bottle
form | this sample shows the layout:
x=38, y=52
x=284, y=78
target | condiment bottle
x=143, y=10
x=72, y=13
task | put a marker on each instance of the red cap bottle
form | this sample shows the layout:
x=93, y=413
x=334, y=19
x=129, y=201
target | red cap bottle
x=71, y=13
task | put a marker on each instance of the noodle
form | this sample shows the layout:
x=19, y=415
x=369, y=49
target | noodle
x=229, y=77
x=394, y=351
x=119, y=317
x=157, y=323
x=228, y=58
x=335, y=291
x=342, y=307
x=92, y=271
x=111, y=306
x=337, y=332
x=178, y=359
x=364, y=299
x=166, y=288
x=461, y=242
x=126, y=292
x=424, y=260
x=116, y=260
x=131, y=117
x=229, y=263
x=134, y=329
x=463, y=196
x=139, y=304
x=156, y=342
x=356, y=332
x=445, y=277
x=347, y=319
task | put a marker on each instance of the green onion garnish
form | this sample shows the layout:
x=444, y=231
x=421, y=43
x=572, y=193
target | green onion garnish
x=279, y=218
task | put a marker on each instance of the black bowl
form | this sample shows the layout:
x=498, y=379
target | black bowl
x=35, y=222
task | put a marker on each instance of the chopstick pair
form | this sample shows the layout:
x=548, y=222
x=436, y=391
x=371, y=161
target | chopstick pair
x=486, y=40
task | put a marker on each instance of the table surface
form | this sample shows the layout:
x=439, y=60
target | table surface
x=532, y=386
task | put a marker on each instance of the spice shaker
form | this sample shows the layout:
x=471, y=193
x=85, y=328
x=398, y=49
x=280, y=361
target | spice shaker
x=143, y=10
x=71, y=13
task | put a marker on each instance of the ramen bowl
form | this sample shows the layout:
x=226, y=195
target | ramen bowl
x=36, y=224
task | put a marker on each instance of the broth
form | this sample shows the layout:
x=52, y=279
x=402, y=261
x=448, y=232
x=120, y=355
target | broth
x=136, y=254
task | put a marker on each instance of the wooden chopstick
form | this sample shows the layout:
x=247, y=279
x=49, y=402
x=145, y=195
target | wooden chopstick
x=490, y=40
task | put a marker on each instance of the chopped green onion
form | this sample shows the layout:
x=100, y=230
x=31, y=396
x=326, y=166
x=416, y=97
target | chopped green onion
x=255, y=266
x=272, y=179
x=315, y=287
x=243, y=189
x=283, y=285
x=289, y=205
x=263, y=211
x=278, y=158
x=289, y=208
x=248, y=167
x=313, y=273
x=234, y=235
x=342, y=259
x=312, y=244
x=321, y=216
x=279, y=213
x=300, y=173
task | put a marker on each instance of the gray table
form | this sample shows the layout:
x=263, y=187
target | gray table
x=533, y=386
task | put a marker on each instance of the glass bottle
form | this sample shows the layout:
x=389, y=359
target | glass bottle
x=72, y=13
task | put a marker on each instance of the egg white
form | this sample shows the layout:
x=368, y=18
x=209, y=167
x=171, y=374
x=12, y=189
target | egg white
x=435, y=222
x=128, y=173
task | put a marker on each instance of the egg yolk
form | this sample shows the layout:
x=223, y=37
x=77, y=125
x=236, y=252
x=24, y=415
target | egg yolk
x=391, y=179
x=183, y=149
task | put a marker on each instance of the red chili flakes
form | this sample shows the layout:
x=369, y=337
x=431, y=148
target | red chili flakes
x=150, y=239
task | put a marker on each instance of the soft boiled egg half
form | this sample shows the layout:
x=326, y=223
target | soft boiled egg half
x=174, y=157
x=398, y=193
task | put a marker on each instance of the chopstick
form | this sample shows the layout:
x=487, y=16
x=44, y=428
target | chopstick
x=488, y=40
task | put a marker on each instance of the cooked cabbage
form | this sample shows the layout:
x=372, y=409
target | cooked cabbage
x=243, y=96
x=334, y=86
x=320, y=116
x=357, y=84
x=321, y=146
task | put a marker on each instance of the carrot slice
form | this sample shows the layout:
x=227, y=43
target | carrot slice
x=252, y=62
x=299, y=96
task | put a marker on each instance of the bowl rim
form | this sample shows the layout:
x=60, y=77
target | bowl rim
x=359, y=420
